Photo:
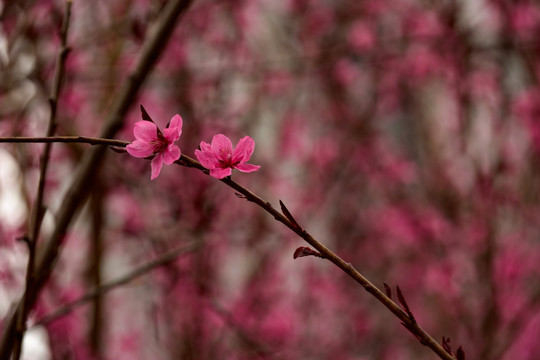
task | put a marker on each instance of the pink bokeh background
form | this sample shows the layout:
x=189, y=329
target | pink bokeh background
x=404, y=135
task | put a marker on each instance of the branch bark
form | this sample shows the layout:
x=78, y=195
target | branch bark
x=407, y=320
x=37, y=209
x=78, y=191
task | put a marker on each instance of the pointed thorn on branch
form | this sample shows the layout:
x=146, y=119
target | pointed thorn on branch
x=402, y=301
x=388, y=290
x=289, y=216
x=241, y=196
x=145, y=115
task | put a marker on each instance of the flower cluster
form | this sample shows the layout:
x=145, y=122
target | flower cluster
x=218, y=157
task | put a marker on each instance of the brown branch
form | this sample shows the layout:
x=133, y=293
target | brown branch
x=78, y=191
x=65, y=139
x=162, y=260
x=408, y=321
x=411, y=324
x=96, y=333
x=38, y=210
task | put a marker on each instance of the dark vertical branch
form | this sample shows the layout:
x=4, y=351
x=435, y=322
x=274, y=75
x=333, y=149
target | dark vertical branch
x=84, y=177
x=486, y=268
x=38, y=208
x=96, y=333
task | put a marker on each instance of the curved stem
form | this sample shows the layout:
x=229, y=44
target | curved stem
x=408, y=321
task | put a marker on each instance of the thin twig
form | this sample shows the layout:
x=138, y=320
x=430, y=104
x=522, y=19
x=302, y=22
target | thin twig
x=38, y=210
x=77, y=193
x=65, y=139
x=410, y=323
x=162, y=260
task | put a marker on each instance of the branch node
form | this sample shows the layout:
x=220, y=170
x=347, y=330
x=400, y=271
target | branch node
x=447, y=345
x=412, y=330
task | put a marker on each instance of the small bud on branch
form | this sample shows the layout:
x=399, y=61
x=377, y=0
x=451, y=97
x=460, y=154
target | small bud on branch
x=388, y=290
x=305, y=251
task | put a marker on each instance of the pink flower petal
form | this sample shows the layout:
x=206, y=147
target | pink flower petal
x=244, y=150
x=171, y=134
x=247, y=168
x=145, y=131
x=220, y=173
x=156, y=165
x=221, y=146
x=171, y=154
x=140, y=149
x=176, y=123
x=205, y=146
x=207, y=159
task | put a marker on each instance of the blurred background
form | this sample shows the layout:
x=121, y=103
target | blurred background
x=403, y=134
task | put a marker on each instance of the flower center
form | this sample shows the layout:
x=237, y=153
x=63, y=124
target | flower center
x=226, y=160
x=159, y=144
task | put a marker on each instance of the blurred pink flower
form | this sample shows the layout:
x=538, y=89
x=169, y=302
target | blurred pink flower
x=220, y=158
x=361, y=36
x=151, y=141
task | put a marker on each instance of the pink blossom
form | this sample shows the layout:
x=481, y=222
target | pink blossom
x=220, y=158
x=151, y=141
x=361, y=36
